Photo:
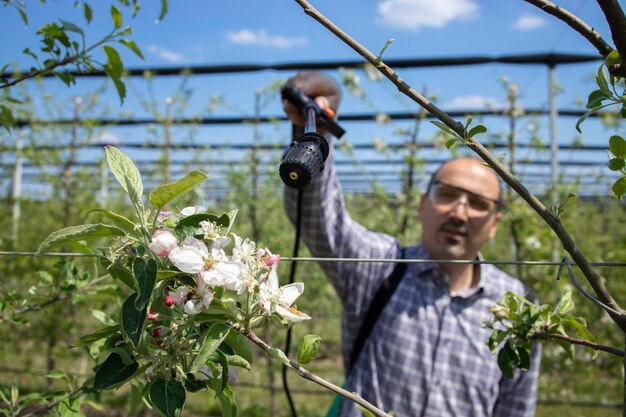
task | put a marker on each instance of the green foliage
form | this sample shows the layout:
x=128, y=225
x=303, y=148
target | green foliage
x=63, y=47
x=517, y=322
x=309, y=348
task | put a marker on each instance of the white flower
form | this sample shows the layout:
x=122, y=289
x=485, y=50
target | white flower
x=193, y=307
x=180, y=295
x=163, y=241
x=214, y=269
x=279, y=299
x=244, y=250
x=188, y=211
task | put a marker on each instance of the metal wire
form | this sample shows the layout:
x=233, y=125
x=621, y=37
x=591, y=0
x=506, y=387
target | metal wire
x=369, y=260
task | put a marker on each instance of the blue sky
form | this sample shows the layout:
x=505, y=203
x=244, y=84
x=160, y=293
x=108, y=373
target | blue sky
x=208, y=32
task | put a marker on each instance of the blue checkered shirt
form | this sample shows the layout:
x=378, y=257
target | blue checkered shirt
x=427, y=354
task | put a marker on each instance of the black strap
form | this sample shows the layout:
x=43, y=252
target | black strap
x=379, y=302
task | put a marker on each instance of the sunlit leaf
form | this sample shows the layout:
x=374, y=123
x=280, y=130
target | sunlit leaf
x=116, y=16
x=227, y=400
x=619, y=188
x=613, y=58
x=164, y=194
x=125, y=172
x=132, y=46
x=76, y=233
x=145, y=274
x=211, y=339
x=308, y=349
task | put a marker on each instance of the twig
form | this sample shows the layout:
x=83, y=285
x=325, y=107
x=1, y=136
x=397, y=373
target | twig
x=576, y=341
x=568, y=243
x=617, y=23
x=312, y=377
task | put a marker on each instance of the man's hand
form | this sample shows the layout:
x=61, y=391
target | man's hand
x=323, y=88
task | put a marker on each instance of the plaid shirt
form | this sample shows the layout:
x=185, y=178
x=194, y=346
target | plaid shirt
x=427, y=354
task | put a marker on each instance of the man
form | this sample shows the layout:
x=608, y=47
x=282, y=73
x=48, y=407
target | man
x=427, y=353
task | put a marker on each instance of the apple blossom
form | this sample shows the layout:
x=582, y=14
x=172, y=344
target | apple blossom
x=273, y=298
x=215, y=269
x=163, y=241
x=169, y=301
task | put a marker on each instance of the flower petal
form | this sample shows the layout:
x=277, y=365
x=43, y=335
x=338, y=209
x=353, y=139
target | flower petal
x=197, y=245
x=289, y=293
x=186, y=259
x=291, y=314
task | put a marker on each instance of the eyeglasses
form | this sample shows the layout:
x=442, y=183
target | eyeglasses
x=448, y=196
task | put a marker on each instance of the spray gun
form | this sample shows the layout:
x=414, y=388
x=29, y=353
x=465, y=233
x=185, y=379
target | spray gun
x=306, y=155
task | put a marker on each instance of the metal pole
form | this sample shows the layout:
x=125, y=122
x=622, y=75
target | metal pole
x=554, y=146
x=16, y=189
x=168, y=139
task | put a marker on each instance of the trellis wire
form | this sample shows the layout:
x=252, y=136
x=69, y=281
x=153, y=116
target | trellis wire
x=370, y=260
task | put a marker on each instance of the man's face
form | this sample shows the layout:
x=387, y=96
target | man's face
x=459, y=215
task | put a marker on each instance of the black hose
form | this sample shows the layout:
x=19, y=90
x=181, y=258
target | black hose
x=292, y=275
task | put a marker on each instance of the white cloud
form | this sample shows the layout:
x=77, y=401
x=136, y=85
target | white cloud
x=529, y=22
x=471, y=102
x=264, y=39
x=107, y=138
x=166, y=54
x=417, y=14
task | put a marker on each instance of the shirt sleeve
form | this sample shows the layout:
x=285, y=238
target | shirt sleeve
x=518, y=396
x=329, y=232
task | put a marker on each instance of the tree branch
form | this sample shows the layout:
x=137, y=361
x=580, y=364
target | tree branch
x=575, y=23
x=569, y=245
x=576, y=341
x=312, y=377
x=617, y=23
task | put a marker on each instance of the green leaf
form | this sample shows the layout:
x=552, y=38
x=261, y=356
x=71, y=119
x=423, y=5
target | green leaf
x=164, y=8
x=565, y=304
x=164, y=194
x=602, y=81
x=132, y=46
x=168, y=397
x=114, y=62
x=476, y=130
x=279, y=355
x=567, y=347
x=126, y=173
x=145, y=275
x=65, y=76
x=507, y=359
x=120, y=273
x=595, y=99
x=496, y=337
x=379, y=58
x=55, y=374
x=88, y=13
x=116, y=16
x=451, y=143
x=221, y=383
x=113, y=371
x=76, y=233
x=613, y=58
x=524, y=359
x=366, y=412
x=445, y=128
x=227, y=400
x=194, y=385
x=617, y=146
x=119, y=221
x=211, y=339
x=71, y=27
x=132, y=320
x=6, y=118
x=240, y=345
x=616, y=164
x=238, y=361
x=23, y=15
x=580, y=327
x=619, y=188
x=308, y=349
x=97, y=335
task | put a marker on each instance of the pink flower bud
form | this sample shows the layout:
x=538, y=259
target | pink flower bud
x=156, y=332
x=272, y=260
x=163, y=241
x=152, y=315
x=169, y=301
x=160, y=343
